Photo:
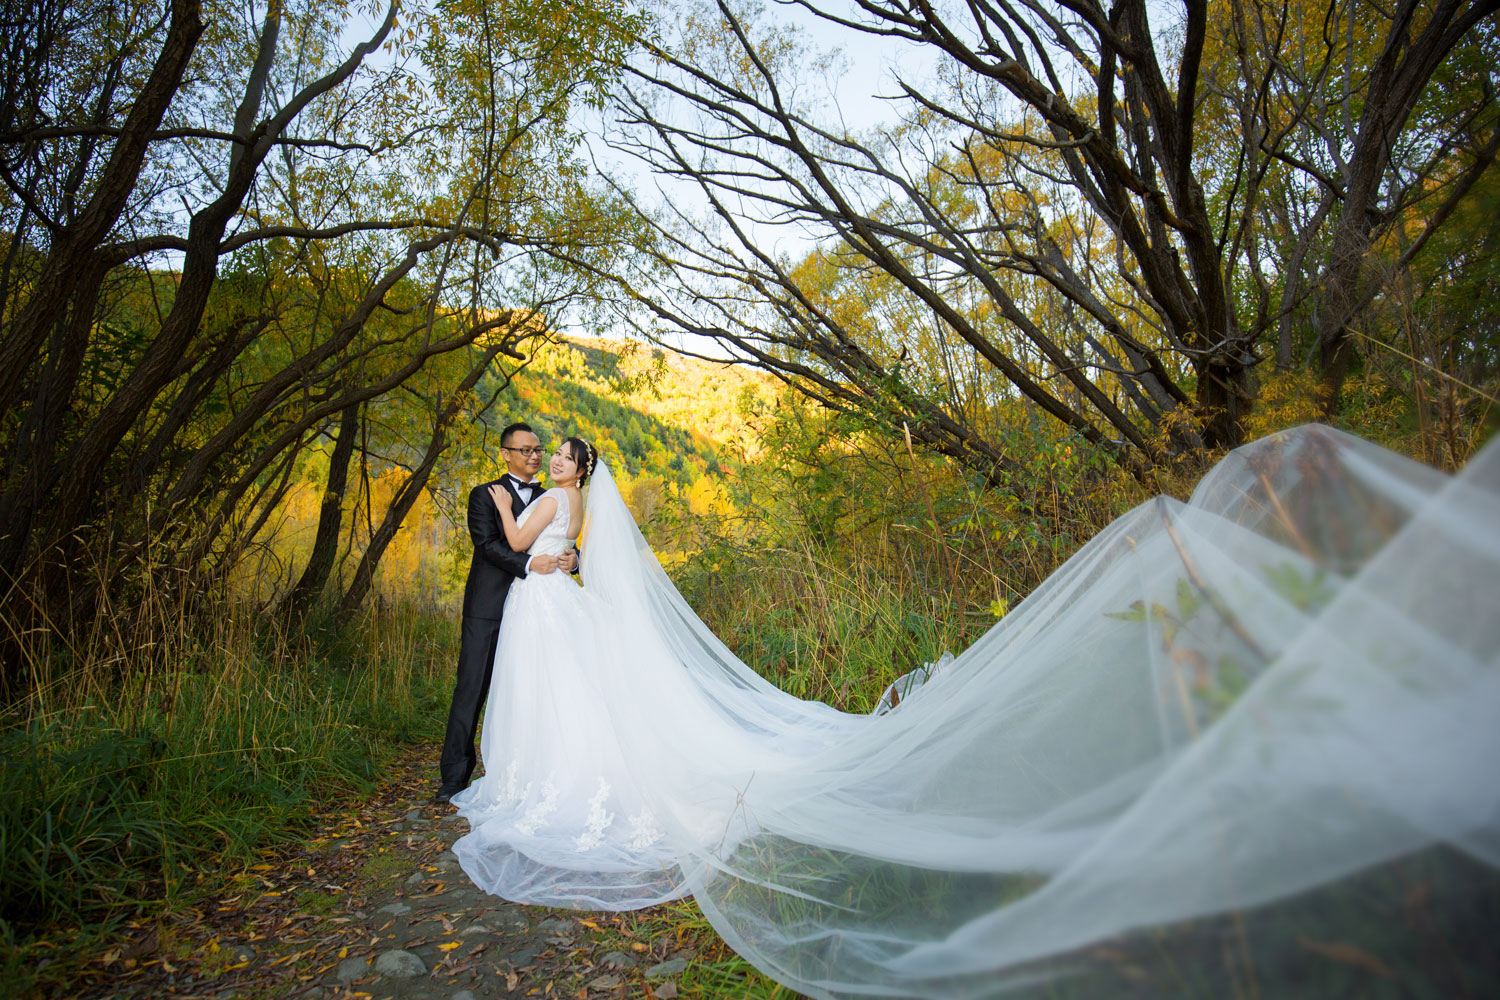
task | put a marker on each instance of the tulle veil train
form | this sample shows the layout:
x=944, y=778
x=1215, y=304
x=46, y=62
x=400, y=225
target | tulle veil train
x=1239, y=746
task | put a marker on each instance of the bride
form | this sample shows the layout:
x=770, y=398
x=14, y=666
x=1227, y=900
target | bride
x=1240, y=746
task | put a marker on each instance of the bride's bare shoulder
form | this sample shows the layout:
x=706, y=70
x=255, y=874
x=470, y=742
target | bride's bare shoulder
x=572, y=494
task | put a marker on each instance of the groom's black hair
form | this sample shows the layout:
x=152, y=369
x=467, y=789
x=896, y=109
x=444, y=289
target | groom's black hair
x=511, y=429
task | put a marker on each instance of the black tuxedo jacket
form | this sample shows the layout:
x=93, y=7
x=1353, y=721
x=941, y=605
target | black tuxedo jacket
x=495, y=565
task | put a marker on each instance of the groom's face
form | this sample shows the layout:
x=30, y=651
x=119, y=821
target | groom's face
x=523, y=454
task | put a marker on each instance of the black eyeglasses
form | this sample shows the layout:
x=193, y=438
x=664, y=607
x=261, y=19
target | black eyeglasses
x=528, y=452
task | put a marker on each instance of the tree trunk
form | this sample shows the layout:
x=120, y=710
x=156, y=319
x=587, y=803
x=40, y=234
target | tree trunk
x=1223, y=401
x=325, y=546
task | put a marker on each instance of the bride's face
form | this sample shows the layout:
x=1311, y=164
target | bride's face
x=564, y=469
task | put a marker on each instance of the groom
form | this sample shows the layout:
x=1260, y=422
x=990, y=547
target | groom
x=494, y=567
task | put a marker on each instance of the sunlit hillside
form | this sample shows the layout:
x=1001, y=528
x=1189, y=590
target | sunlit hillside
x=649, y=410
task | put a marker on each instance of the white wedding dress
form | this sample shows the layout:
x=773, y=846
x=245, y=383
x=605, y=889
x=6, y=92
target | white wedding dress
x=556, y=796
x=1242, y=746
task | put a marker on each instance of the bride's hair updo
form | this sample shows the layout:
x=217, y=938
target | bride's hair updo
x=584, y=455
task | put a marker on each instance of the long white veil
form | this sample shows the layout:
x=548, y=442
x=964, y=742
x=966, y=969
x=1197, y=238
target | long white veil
x=1240, y=746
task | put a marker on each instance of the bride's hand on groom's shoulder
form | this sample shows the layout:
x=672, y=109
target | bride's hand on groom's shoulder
x=501, y=498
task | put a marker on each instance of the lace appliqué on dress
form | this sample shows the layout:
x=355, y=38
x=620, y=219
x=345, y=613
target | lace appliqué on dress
x=598, y=821
x=643, y=831
x=539, y=811
x=498, y=793
x=509, y=794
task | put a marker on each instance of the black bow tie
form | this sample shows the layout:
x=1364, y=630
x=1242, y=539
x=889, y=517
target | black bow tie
x=521, y=483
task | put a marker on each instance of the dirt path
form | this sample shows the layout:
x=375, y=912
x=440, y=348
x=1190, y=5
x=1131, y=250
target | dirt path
x=376, y=906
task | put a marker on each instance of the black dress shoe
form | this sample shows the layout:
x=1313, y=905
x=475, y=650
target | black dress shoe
x=444, y=794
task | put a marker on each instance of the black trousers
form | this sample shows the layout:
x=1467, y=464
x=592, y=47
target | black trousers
x=476, y=662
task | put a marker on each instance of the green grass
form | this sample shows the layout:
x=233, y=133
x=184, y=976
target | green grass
x=122, y=792
x=384, y=867
x=838, y=634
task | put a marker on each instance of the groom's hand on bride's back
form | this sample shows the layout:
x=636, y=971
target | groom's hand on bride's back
x=542, y=564
x=568, y=561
